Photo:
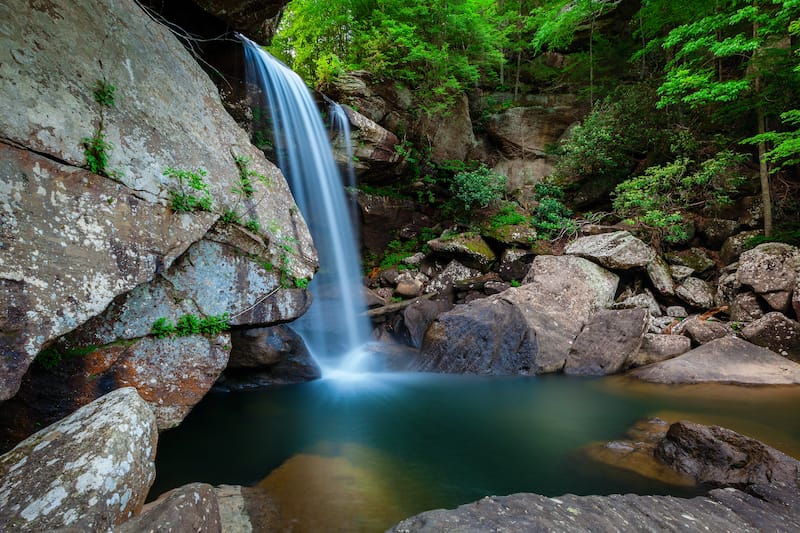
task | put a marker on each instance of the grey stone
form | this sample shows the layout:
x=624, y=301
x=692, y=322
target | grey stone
x=607, y=342
x=677, y=311
x=725, y=360
x=495, y=287
x=696, y=292
x=644, y=300
x=656, y=348
x=728, y=287
x=769, y=267
x=187, y=509
x=525, y=330
x=419, y=315
x=776, y=332
x=374, y=152
x=661, y=323
x=619, y=250
x=778, y=300
x=514, y=264
x=745, y=308
x=680, y=272
x=660, y=275
x=414, y=260
x=703, y=331
x=90, y=471
x=409, y=287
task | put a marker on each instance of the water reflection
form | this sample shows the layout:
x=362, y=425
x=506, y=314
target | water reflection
x=380, y=447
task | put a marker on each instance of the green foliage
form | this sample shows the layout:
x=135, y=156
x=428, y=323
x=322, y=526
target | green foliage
x=395, y=252
x=194, y=194
x=478, y=188
x=253, y=225
x=104, y=93
x=51, y=358
x=551, y=217
x=301, y=283
x=660, y=198
x=191, y=325
x=788, y=236
x=507, y=216
x=515, y=283
x=437, y=48
x=97, y=151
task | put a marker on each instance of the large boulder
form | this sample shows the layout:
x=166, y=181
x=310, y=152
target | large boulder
x=726, y=360
x=188, y=508
x=607, y=342
x=527, y=329
x=721, y=457
x=618, y=250
x=75, y=240
x=468, y=248
x=89, y=472
x=770, y=269
x=696, y=292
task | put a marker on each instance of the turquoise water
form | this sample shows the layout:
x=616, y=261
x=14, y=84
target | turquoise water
x=393, y=445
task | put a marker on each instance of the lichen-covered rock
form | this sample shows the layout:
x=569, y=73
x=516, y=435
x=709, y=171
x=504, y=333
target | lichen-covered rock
x=745, y=307
x=715, y=231
x=468, y=248
x=90, y=471
x=726, y=360
x=645, y=300
x=696, y=292
x=188, y=508
x=769, y=267
x=776, y=332
x=454, y=271
x=103, y=236
x=72, y=241
x=618, y=332
x=618, y=250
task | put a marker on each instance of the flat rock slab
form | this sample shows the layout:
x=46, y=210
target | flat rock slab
x=90, y=471
x=619, y=250
x=726, y=360
x=721, y=510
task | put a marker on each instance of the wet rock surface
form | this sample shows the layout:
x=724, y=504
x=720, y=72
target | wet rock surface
x=607, y=342
x=90, y=471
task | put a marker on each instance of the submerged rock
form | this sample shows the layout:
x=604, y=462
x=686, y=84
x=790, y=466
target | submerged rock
x=90, y=471
x=725, y=360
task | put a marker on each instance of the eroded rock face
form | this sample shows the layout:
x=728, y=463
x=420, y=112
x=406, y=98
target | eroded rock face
x=374, y=149
x=618, y=250
x=91, y=471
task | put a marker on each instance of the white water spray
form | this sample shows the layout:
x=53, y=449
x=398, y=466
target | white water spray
x=335, y=328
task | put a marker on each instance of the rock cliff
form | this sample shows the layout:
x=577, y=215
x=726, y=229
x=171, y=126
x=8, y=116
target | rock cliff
x=91, y=258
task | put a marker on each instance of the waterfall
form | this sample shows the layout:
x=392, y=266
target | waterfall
x=335, y=328
x=340, y=129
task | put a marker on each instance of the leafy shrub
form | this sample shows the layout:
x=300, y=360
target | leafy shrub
x=97, y=151
x=214, y=324
x=551, y=217
x=162, y=328
x=478, y=187
x=191, y=325
x=187, y=325
x=660, y=198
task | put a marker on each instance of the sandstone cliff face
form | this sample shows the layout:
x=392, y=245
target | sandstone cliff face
x=73, y=241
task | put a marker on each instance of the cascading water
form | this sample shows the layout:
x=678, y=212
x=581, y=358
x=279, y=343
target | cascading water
x=340, y=128
x=335, y=328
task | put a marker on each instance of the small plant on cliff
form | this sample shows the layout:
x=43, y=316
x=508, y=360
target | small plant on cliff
x=191, y=325
x=97, y=149
x=194, y=194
